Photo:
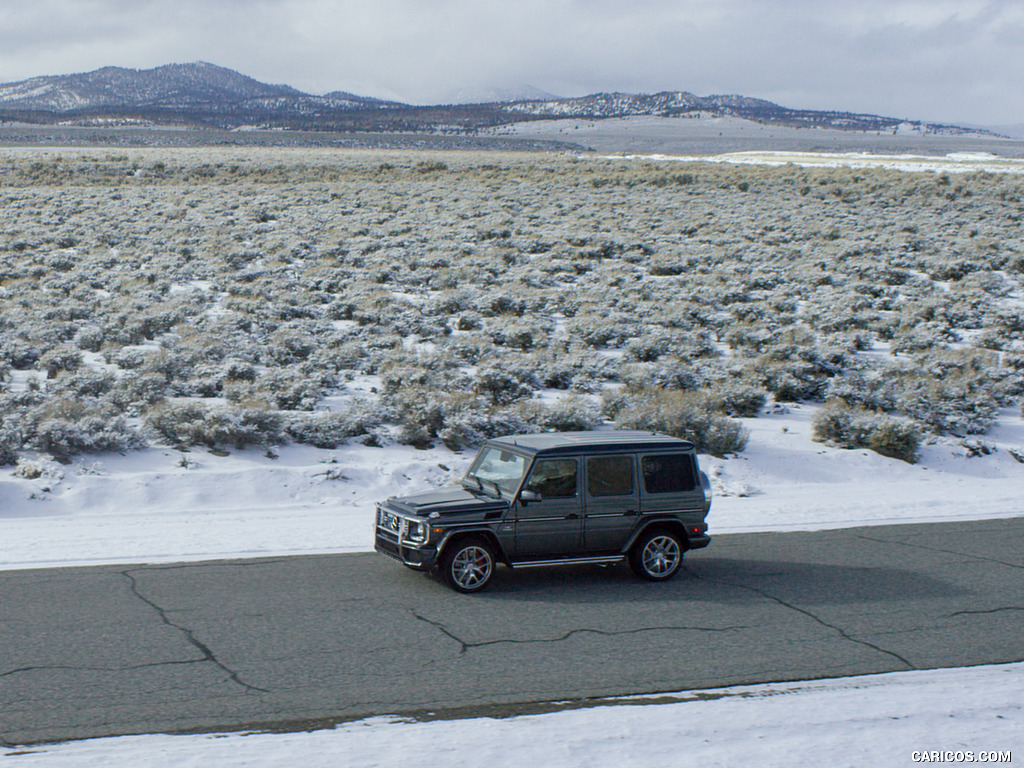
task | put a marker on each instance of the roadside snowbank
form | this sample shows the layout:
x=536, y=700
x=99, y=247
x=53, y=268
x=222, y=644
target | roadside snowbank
x=879, y=720
x=161, y=505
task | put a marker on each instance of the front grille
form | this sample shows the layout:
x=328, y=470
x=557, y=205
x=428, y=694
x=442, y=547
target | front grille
x=402, y=528
x=389, y=521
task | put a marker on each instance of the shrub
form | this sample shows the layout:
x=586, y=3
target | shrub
x=572, y=413
x=505, y=384
x=847, y=426
x=290, y=389
x=135, y=390
x=65, y=428
x=128, y=358
x=682, y=414
x=60, y=360
x=196, y=424
x=329, y=429
x=737, y=398
x=469, y=428
x=86, y=382
x=10, y=440
x=89, y=338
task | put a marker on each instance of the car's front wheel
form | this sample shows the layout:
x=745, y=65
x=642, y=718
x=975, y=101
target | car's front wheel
x=656, y=555
x=467, y=565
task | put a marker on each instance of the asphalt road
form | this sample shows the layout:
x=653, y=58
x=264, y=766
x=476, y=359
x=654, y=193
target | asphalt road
x=307, y=641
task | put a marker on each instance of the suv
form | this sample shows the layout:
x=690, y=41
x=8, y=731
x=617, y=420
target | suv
x=558, y=498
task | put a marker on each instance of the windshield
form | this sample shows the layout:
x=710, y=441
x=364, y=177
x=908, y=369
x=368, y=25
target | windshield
x=501, y=468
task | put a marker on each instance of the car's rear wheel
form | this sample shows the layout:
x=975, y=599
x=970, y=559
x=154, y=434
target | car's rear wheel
x=656, y=555
x=468, y=564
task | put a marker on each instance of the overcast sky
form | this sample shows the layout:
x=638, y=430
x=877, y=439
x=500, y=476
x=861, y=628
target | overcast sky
x=938, y=60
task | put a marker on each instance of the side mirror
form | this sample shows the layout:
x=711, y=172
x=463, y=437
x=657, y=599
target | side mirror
x=528, y=494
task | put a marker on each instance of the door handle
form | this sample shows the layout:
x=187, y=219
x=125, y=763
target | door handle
x=572, y=516
x=629, y=512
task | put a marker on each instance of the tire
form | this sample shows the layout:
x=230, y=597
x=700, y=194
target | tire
x=468, y=564
x=657, y=555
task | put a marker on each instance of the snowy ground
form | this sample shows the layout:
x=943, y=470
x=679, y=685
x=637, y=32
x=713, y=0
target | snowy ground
x=952, y=162
x=163, y=505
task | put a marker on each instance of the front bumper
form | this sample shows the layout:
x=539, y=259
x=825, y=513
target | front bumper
x=420, y=557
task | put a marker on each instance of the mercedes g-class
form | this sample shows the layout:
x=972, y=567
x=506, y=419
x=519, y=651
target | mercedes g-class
x=596, y=497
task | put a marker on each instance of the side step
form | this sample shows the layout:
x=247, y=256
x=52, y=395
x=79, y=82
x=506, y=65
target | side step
x=592, y=560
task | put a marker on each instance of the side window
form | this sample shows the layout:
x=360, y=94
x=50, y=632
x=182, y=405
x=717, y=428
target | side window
x=672, y=473
x=553, y=478
x=610, y=475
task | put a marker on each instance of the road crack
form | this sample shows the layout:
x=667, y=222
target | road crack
x=803, y=611
x=79, y=668
x=984, y=611
x=208, y=656
x=466, y=645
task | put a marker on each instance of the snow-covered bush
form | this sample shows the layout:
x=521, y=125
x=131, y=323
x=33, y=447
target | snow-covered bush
x=850, y=426
x=135, y=391
x=84, y=383
x=65, y=428
x=184, y=425
x=504, y=384
x=89, y=338
x=951, y=407
x=60, y=360
x=468, y=428
x=11, y=440
x=688, y=415
x=327, y=429
x=290, y=389
x=735, y=397
x=571, y=413
x=128, y=358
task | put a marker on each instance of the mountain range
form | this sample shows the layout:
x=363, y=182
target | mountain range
x=206, y=95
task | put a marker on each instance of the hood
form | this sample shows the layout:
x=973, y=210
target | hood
x=446, y=501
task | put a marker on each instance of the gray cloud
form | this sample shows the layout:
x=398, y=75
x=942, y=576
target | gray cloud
x=948, y=60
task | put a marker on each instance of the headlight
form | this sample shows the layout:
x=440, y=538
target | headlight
x=416, y=532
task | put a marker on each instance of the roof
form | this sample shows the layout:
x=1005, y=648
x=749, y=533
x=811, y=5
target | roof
x=595, y=441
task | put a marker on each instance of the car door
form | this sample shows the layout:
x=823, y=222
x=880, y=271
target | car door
x=611, y=502
x=551, y=526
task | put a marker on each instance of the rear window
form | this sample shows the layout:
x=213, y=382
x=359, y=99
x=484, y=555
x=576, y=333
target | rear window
x=670, y=473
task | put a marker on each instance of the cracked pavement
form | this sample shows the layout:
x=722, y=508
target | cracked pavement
x=305, y=642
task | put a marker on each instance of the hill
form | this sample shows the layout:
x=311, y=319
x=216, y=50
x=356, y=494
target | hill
x=201, y=94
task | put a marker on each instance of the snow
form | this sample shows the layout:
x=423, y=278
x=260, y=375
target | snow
x=162, y=505
x=953, y=162
x=879, y=720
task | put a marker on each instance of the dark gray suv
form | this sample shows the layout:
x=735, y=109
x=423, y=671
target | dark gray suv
x=556, y=498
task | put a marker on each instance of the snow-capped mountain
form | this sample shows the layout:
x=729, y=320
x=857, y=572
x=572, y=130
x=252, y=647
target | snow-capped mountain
x=205, y=94
x=172, y=87
x=681, y=103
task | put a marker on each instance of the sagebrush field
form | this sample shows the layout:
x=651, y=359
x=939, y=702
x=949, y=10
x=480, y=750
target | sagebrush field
x=259, y=296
